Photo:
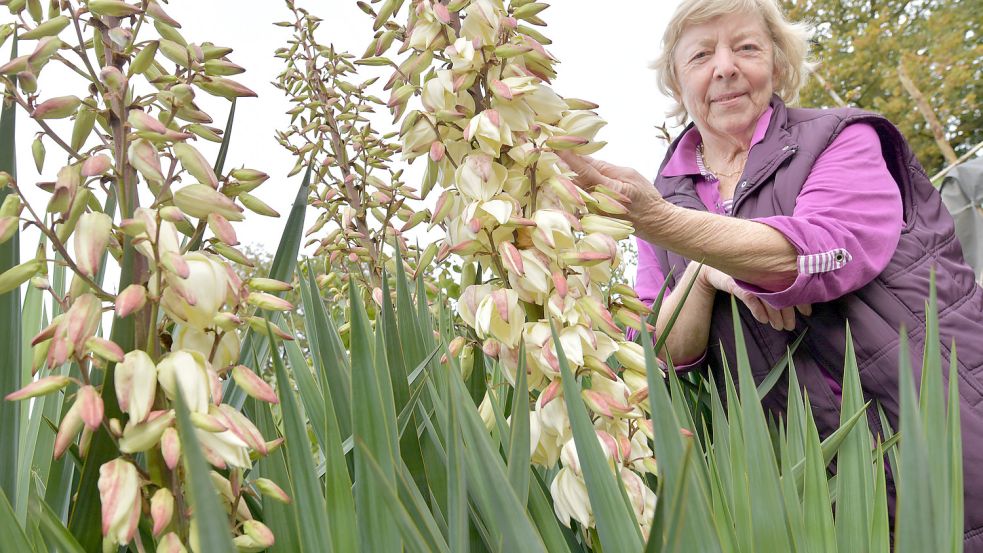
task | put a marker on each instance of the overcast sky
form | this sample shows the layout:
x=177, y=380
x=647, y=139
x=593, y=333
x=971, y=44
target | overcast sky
x=604, y=54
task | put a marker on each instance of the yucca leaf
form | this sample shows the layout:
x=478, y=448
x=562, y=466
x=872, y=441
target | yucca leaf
x=767, y=510
x=30, y=426
x=50, y=526
x=329, y=355
x=414, y=537
x=954, y=451
x=854, y=464
x=282, y=519
x=614, y=521
x=817, y=514
x=519, y=446
x=212, y=523
x=255, y=349
x=776, y=371
x=931, y=403
x=13, y=535
x=457, y=486
x=339, y=502
x=373, y=422
x=10, y=312
x=508, y=525
x=557, y=538
x=311, y=511
x=880, y=529
x=670, y=451
x=915, y=530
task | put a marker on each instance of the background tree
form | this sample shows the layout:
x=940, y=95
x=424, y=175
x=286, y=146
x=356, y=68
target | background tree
x=860, y=44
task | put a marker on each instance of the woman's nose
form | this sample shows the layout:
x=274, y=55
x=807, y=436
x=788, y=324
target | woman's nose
x=723, y=64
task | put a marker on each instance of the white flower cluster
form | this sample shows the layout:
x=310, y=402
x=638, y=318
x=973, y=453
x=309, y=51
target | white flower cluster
x=491, y=125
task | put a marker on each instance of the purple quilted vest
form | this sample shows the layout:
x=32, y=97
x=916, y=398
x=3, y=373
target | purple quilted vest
x=775, y=171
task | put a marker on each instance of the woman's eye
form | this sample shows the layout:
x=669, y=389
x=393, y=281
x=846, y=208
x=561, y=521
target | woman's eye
x=749, y=47
x=699, y=56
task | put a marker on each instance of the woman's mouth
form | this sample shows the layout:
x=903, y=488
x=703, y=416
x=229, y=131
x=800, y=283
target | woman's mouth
x=727, y=99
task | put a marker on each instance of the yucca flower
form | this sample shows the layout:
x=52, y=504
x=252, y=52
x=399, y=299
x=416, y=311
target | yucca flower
x=119, y=491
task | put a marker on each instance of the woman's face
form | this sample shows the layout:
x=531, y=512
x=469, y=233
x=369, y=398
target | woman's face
x=726, y=73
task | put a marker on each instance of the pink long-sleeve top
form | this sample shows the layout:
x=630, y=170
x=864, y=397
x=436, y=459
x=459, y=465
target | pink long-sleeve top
x=845, y=226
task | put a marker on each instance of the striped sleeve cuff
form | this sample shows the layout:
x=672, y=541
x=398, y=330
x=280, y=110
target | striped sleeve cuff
x=823, y=262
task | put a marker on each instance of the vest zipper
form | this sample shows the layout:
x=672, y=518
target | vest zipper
x=745, y=185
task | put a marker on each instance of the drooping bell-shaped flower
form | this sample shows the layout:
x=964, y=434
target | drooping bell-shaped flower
x=136, y=384
x=119, y=493
x=189, y=370
x=499, y=316
x=205, y=292
x=192, y=339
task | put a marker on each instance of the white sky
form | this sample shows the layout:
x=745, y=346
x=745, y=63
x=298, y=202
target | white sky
x=604, y=54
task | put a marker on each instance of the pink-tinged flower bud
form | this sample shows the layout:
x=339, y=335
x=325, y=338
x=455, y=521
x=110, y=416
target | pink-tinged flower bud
x=138, y=437
x=172, y=214
x=253, y=385
x=269, y=488
x=224, y=449
x=15, y=65
x=225, y=88
x=114, y=79
x=119, y=492
x=14, y=277
x=170, y=543
x=8, y=227
x=175, y=263
x=71, y=424
x=170, y=447
x=198, y=200
x=113, y=8
x=583, y=259
x=187, y=370
x=268, y=285
x=40, y=387
x=263, y=300
x=143, y=121
x=57, y=108
x=257, y=537
x=144, y=158
x=91, y=237
x=66, y=187
x=258, y=324
x=131, y=299
x=80, y=322
x=207, y=422
x=456, y=345
x=194, y=163
x=104, y=349
x=437, y=151
x=161, y=509
x=511, y=258
x=631, y=356
x=238, y=424
x=136, y=385
x=615, y=228
x=222, y=230
x=256, y=205
x=96, y=165
x=244, y=175
x=565, y=142
x=228, y=322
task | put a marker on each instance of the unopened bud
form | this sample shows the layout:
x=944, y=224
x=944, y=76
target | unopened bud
x=194, y=163
x=170, y=447
x=105, y=349
x=253, y=385
x=56, y=108
x=269, y=301
x=161, y=509
x=269, y=488
x=96, y=165
x=113, y=79
x=39, y=387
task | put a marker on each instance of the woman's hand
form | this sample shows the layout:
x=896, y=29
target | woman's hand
x=779, y=319
x=623, y=180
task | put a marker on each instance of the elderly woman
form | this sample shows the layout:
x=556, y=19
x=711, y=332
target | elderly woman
x=811, y=218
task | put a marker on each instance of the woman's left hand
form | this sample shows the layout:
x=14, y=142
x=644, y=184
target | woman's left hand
x=623, y=180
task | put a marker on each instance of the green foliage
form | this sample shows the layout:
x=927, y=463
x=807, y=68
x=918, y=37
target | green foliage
x=859, y=45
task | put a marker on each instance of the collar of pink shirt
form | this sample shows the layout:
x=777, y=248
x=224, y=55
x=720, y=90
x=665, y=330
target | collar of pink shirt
x=683, y=160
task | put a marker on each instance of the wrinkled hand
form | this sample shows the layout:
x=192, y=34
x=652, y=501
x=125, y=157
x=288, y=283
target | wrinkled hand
x=779, y=319
x=623, y=180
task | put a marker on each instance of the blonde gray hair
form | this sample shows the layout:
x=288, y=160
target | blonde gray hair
x=790, y=40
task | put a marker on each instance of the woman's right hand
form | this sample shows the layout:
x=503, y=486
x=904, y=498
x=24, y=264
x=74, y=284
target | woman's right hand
x=779, y=319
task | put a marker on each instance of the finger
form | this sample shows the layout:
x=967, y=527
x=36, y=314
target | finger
x=774, y=317
x=588, y=175
x=755, y=306
x=788, y=317
x=805, y=309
